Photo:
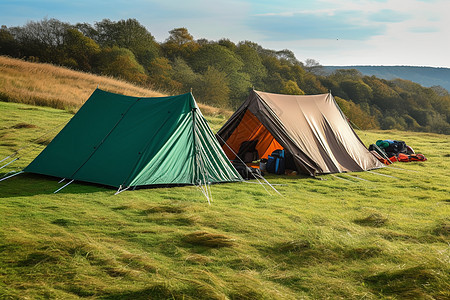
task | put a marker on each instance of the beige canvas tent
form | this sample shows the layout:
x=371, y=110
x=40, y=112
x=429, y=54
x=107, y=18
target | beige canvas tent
x=311, y=129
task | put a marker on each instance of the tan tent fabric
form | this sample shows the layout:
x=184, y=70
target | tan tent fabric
x=310, y=127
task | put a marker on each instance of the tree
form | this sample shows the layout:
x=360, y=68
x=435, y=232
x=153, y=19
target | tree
x=43, y=39
x=383, y=95
x=80, y=49
x=239, y=84
x=8, y=45
x=288, y=57
x=357, y=90
x=212, y=88
x=221, y=58
x=252, y=64
x=357, y=115
x=129, y=34
x=160, y=73
x=225, y=61
x=121, y=63
x=312, y=85
x=313, y=66
x=274, y=82
x=182, y=72
x=180, y=43
x=291, y=88
x=227, y=44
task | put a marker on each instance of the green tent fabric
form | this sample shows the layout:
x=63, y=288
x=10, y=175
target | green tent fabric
x=124, y=141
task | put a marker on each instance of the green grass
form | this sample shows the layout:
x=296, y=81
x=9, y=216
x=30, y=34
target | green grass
x=352, y=236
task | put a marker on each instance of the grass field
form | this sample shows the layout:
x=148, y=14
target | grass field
x=354, y=236
x=369, y=235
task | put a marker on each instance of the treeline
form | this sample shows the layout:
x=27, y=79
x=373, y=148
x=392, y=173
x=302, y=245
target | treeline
x=222, y=72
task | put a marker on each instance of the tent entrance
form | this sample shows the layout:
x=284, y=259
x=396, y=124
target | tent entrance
x=251, y=129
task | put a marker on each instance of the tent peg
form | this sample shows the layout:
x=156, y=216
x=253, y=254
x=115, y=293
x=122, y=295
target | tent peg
x=20, y=172
x=63, y=186
x=120, y=190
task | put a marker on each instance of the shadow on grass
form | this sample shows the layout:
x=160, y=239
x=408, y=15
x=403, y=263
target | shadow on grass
x=28, y=184
x=417, y=282
x=155, y=292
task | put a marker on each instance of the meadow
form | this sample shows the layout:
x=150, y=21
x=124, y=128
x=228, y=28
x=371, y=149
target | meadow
x=382, y=234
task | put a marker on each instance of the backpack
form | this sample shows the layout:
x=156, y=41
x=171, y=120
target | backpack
x=276, y=162
x=247, y=151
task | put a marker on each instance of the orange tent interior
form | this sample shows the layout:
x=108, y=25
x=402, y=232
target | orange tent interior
x=249, y=129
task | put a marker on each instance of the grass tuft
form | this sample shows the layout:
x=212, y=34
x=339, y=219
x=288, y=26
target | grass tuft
x=363, y=252
x=62, y=222
x=43, y=141
x=165, y=209
x=443, y=230
x=23, y=125
x=206, y=239
x=409, y=283
x=373, y=220
x=198, y=259
x=36, y=258
x=294, y=246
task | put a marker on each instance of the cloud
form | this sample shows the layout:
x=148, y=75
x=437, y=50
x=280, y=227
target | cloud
x=389, y=16
x=327, y=24
x=424, y=29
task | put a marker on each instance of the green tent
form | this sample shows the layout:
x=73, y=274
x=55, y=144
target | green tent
x=124, y=141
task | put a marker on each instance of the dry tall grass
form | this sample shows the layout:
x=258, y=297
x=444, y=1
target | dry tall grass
x=49, y=85
x=58, y=87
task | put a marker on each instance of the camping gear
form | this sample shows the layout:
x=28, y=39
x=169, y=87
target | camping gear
x=263, y=165
x=396, y=150
x=247, y=151
x=311, y=129
x=124, y=141
x=411, y=157
x=409, y=150
x=247, y=172
x=391, y=147
x=276, y=162
x=380, y=154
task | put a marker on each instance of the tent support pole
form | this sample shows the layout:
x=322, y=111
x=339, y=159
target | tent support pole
x=198, y=162
x=62, y=180
x=63, y=186
x=20, y=172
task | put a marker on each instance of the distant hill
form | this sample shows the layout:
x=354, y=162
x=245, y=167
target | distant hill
x=425, y=76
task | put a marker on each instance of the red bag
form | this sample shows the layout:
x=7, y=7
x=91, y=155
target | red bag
x=403, y=157
x=417, y=157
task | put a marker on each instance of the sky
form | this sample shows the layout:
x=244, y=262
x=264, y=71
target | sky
x=332, y=32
